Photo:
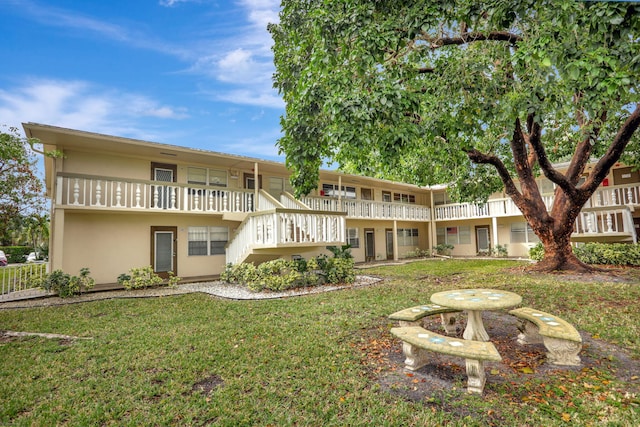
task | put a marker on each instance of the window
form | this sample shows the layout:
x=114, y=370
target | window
x=454, y=235
x=204, y=176
x=441, y=199
x=353, y=238
x=521, y=232
x=404, y=198
x=408, y=237
x=207, y=240
x=546, y=186
x=330, y=190
x=386, y=196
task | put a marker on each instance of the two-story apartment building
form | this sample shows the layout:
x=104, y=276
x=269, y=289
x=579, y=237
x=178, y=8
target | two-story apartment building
x=119, y=203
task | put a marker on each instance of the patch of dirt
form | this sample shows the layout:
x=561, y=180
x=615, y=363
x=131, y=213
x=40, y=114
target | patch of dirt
x=434, y=382
x=208, y=384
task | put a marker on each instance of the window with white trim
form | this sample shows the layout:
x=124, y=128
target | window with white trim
x=404, y=198
x=207, y=240
x=453, y=235
x=521, y=232
x=331, y=190
x=205, y=176
x=353, y=238
x=408, y=237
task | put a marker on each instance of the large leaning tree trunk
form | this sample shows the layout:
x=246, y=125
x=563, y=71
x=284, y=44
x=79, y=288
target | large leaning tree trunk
x=555, y=226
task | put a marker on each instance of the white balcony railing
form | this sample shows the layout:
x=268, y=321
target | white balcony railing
x=609, y=221
x=604, y=197
x=280, y=227
x=109, y=193
x=368, y=209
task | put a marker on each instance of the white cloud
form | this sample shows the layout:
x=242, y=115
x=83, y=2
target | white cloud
x=259, y=98
x=80, y=105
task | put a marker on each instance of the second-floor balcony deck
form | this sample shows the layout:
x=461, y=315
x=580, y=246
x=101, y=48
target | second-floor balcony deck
x=369, y=209
x=107, y=193
x=93, y=192
x=625, y=195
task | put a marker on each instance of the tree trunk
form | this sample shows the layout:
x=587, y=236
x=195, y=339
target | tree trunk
x=559, y=256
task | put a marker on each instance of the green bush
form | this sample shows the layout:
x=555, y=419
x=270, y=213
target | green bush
x=142, y=278
x=339, y=270
x=417, y=253
x=17, y=254
x=599, y=253
x=280, y=274
x=443, y=249
x=66, y=285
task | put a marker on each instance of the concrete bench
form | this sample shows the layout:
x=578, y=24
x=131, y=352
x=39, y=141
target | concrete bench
x=416, y=341
x=562, y=341
x=413, y=316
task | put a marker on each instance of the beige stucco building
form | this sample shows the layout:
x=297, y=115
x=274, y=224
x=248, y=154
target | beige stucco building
x=119, y=203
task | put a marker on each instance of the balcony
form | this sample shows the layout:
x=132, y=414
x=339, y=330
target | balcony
x=602, y=198
x=368, y=209
x=594, y=224
x=92, y=192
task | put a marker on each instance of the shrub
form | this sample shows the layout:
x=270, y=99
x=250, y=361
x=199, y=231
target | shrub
x=500, y=251
x=443, y=249
x=599, y=253
x=66, y=285
x=339, y=270
x=140, y=278
x=417, y=253
x=281, y=274
x=17, y=254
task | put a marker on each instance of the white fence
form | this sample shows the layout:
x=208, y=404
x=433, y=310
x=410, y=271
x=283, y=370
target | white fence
x=20, y=278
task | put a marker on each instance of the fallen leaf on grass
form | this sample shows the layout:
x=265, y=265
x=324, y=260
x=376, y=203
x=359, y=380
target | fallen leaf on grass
x=566, y=417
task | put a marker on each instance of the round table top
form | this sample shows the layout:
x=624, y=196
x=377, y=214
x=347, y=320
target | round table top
x=476, y=299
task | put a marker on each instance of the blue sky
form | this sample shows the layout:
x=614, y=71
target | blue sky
x=194, y=73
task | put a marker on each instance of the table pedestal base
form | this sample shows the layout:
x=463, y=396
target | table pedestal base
x=475, y=328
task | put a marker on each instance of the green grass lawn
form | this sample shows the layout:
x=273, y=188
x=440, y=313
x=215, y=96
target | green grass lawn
x=303, y=361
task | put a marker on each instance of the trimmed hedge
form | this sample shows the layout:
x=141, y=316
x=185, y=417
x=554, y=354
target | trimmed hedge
x=599, y=253
x=16, y=254
x=280, y=274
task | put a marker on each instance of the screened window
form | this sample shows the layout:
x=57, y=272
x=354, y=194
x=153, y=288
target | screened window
x=521, y=232
x=331, y=190
x=353, y=237
x=205, y=176
x=207, y=240
x=407, y=237
x=441, y=199
x=404, y=198
x=453, y=235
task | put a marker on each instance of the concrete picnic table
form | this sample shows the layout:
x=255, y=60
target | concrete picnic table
x=474, y=301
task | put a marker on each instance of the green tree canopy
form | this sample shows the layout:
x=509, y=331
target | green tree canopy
x=20, y=188
x=479, y=96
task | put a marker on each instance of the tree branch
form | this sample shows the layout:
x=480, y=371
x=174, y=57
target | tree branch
x=467, y=37
x=614, y=152
x=583, y=152
x=510, y=187
x=548, y=169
